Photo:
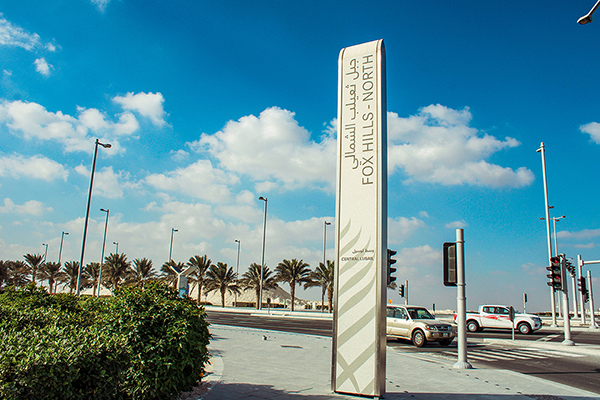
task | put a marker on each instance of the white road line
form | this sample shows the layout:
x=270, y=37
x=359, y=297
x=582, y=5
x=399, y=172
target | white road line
x=548, y=338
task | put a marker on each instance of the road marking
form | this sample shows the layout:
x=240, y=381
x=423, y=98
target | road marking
x=548, y=338
x=512, y=354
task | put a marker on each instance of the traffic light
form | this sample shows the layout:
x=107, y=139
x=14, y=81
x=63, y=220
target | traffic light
x=390, y=270
x=401, y=290
x=570, y=268
x=450, y=264
x=555, y=273
x=583, y=289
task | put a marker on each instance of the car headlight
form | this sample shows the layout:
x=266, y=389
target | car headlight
x=431, y=328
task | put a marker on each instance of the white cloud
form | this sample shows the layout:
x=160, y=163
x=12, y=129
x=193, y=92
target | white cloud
x=179, y=155
x=244, y=208
x=107, y=183
x=37, y=167
x=149, y=105
x=14, y=36
x=199, y=180
x=592, y=129
x=456, y=224
x=33, y=121
x=273, y=148
x=101, y=4
x=437, y=145
x=583, y=234
x=42, y=66
x=31, y=207
x=402, y=228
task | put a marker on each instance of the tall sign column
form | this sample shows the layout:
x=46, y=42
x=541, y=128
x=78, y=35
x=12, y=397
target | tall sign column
x=359, y=340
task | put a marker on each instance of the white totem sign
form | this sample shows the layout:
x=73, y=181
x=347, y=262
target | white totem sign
x=358, y=365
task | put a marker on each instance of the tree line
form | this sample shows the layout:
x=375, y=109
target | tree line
x=117, y=271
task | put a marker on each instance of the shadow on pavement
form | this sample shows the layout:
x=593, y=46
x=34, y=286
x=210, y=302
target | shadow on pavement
x=258, y=392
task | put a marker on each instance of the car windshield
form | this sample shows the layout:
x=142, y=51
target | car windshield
x=419, y=313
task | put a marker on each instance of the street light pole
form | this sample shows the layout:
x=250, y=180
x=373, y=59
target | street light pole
x=554, y=219
x=547, y=209
x=107, y=211
x=237, y=270
x=61, y=244
x=171, y=247
x=117, y=247
x=325, y=240
x=45, y=252
x=262, y=263
x=87, y=212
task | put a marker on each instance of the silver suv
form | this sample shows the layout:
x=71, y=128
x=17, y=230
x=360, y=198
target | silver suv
x=417, y=324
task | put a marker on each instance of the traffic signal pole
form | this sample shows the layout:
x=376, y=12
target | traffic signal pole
x=461, y=303
x=593, y=319
x=581, y=302
x=565, y=294
x=580, y=264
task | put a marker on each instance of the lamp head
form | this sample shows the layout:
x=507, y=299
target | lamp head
x=586, y=19
x=262, y=198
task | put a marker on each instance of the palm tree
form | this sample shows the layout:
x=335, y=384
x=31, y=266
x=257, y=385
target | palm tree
x=34, y=261
x=92, y=273
x=17, y=273
x=292, y=272
x=51, y=271
x=198, y=277
x=251, y=280
x=70, y=275
x=3, y=273
x=115, y=267
x=141, y=272
x=222, y=278
x=323, y=277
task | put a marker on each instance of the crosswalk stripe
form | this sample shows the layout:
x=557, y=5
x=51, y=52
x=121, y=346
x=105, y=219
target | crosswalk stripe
x=514, y=354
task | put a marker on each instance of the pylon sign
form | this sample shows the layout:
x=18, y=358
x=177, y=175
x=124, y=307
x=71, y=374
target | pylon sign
x=359, y=326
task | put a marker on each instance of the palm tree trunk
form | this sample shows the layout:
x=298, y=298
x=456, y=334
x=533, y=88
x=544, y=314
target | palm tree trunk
x=322, y=299
x=293, y=292
x=257, y=296
x=199, y=292
x=223, y=298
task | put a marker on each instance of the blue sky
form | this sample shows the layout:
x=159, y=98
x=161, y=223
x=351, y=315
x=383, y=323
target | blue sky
x=210, y=105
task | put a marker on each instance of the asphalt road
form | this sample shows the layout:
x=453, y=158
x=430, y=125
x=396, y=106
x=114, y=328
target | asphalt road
x=560, y=366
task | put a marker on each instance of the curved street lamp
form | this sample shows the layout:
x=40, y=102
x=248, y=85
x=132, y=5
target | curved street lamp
x=542, y=151
x=107, y=211
x=262, y=263
x=45, y=252
x=237, y=271
x=61, y=244
x=87, y=213
x=325, y=240
x=587, y=18
x=171, y=247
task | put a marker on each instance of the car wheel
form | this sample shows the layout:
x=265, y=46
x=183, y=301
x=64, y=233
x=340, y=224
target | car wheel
x=472, y=326
x=524, y=328
x=445, y=342
x=418, y=338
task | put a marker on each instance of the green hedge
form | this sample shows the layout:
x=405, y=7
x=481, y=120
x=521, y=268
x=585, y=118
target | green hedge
x=139, y=344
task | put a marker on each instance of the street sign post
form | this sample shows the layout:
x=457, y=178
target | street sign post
x=359, y=325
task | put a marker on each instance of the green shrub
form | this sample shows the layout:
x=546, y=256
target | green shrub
x=139, y=344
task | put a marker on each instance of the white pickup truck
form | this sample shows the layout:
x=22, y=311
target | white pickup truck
x=498, y=317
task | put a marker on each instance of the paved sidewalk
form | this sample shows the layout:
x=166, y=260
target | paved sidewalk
x=257, y=364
